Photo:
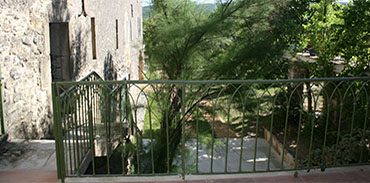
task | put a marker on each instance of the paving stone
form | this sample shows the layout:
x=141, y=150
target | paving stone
x=234, y=153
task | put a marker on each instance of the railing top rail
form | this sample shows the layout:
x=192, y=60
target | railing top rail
x=85, y=79
x=258, y=81
x=93, y=73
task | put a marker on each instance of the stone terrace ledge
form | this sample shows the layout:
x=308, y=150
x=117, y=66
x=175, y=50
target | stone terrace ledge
x=344, y=174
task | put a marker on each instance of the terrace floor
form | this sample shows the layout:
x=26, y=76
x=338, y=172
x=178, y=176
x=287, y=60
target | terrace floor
x=34, y=162
x=353, y=174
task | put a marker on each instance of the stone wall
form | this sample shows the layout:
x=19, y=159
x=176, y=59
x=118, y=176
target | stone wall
x=25, y=53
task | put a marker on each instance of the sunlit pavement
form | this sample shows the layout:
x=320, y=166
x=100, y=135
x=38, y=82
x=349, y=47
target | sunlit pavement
x=34, y=162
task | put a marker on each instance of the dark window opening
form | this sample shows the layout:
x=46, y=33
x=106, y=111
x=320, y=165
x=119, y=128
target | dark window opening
x=116, y=34
x=132, y=10
x=93, y=37
x=131, y=33
x=61, y=66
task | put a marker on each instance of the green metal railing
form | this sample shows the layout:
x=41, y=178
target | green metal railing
x=135, y=128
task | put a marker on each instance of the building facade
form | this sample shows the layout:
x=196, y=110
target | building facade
x=42, y=41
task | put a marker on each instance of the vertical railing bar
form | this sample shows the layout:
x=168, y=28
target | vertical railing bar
x=128, y=113
x=365, y=125
x=78, y=136
x=80, y=128
x=87, y=109
x=256, y=137
x=213, y=135
x=133, y=125
x=311, y=143
x=353, y=115
x=167, y=141
x=286, y=128
x=197, y=143
x=61, y=136
x=151, y=140
x=91, y=129
x=123, y=155
x=105, y=121
x=298, y=138
x=68, y=123
x=65, y=124
x=244, y=103
x=74, y=148
x=242, y=137
x=338, y=130
x=62, y=102
x=84, y=122
x=106, y=124
x=183, y=123
x=124, y=118
x=97, y=105
x=91, y=110
x=78, y=125
x=62, y=123
x=114, y=110
x=227, y=138
x=139, y=143
x=111, y=108
x=324, y=149
x=311, y=137
x=271, y=133
x=299, y=126
x=87, y=121
x=95, y=93
x=56, y=120
x=69, y=131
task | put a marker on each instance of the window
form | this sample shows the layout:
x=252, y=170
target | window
x=131, y=33
x=139, y=29
x=93, y=37
x=132, y=10
x=116, y=34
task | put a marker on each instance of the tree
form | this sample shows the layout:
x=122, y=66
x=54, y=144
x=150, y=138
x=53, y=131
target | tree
x=249, y=37
x=180, y=37
x=319, y=34
x=354, y=37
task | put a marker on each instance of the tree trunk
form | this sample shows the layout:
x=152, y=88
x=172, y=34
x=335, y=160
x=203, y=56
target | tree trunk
x=171, y=120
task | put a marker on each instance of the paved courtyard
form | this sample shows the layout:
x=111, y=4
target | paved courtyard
x=34, y=162
x=29, y=155
x=265, y=156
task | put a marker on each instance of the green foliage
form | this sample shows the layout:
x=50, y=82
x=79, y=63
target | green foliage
x=153, y=117
x=332, y=29
x=172, y=37
x=349, y=149
x=245, y=39
x=184, y=41
x=354, y=37
x=288, y=21
x=320, y=34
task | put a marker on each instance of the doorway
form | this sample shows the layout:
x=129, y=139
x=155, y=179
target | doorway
x=61, y=67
